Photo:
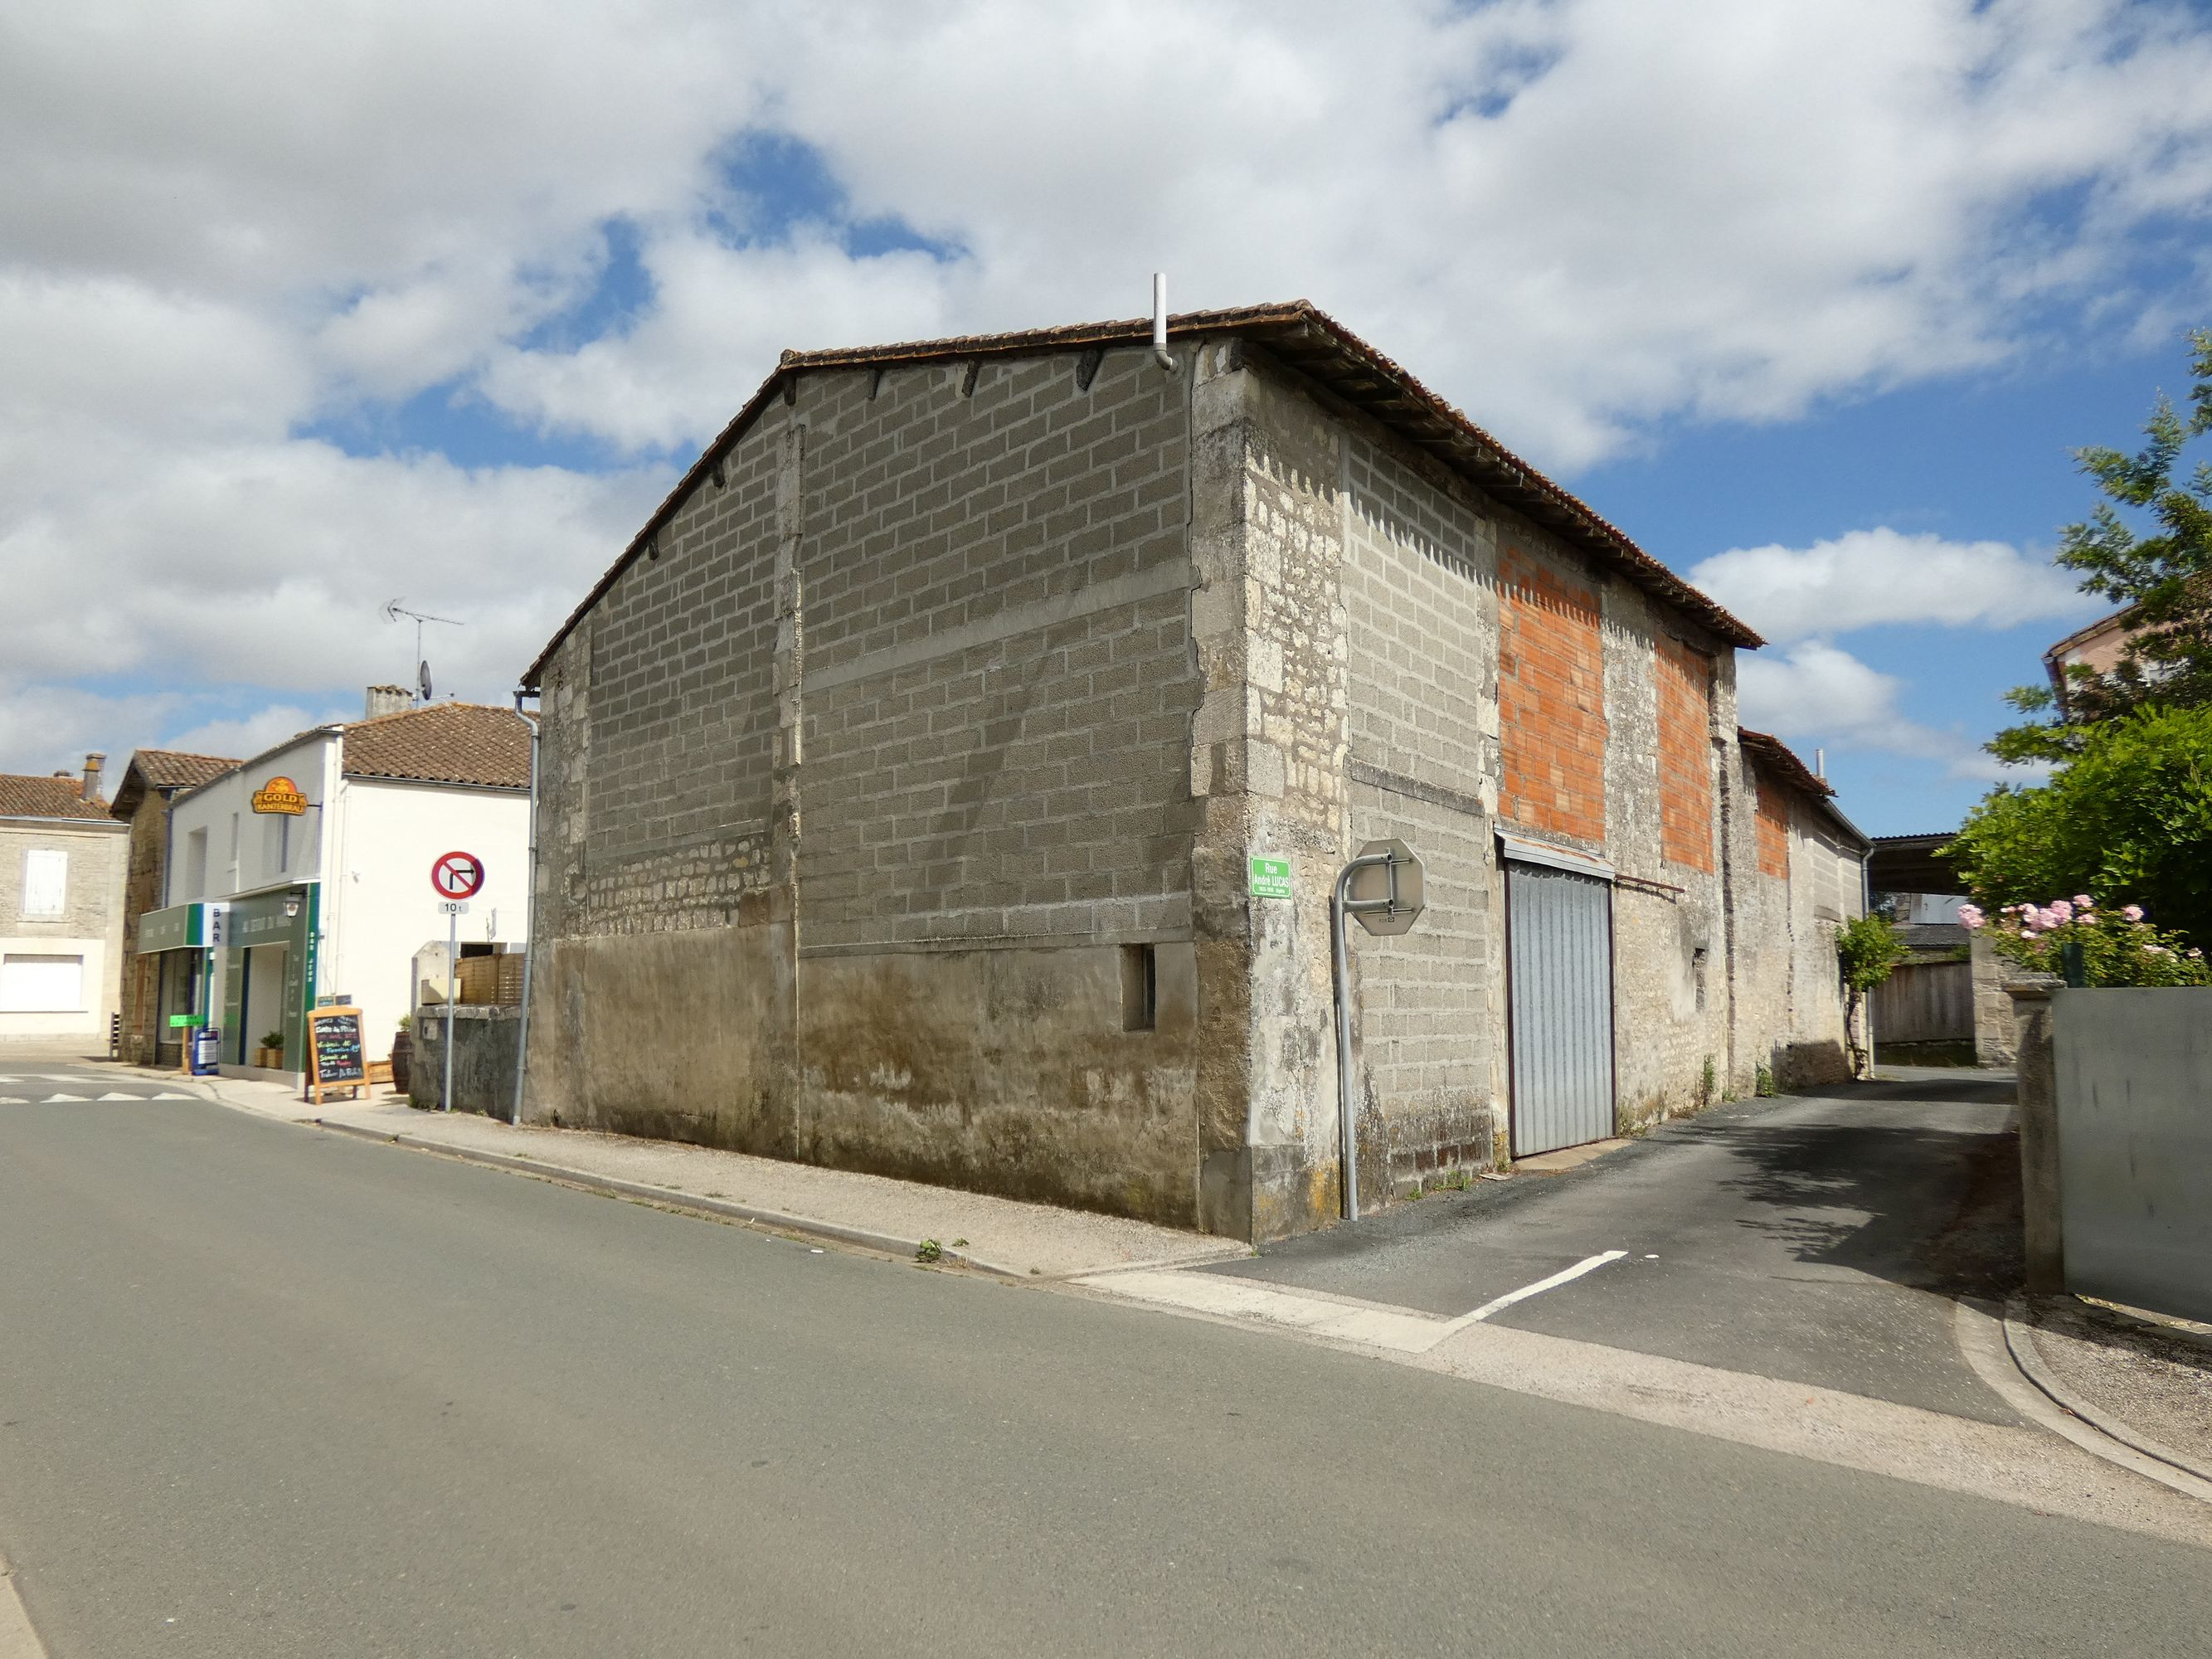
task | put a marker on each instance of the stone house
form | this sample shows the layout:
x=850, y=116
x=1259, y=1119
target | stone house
x=150, y=781
x=901, y=783
x=61, y=910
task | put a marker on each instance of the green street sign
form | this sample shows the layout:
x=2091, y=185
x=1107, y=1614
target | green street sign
x=1271, y=879
x=178, y=1020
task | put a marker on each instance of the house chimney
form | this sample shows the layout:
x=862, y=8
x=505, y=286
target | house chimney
x=389, y=700
x=92, y=765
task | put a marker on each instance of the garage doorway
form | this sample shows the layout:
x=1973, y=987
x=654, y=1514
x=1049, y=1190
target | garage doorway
x=1558, y=932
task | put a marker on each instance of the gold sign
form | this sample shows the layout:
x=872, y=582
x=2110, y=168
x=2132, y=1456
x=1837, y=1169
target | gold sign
x=280, y=795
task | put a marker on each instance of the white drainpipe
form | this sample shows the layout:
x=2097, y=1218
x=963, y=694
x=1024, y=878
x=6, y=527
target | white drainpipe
x=1161, y=354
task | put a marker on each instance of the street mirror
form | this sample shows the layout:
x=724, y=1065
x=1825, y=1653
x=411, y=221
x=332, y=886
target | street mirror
x=1399, y=885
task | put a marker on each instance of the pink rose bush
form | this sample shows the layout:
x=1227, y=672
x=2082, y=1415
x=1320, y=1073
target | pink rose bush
x=2119, y=947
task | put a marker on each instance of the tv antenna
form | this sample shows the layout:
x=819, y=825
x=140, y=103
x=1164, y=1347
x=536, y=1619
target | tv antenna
x=393, y=611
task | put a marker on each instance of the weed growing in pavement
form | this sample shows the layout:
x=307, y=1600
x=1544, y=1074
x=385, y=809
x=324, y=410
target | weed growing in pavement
x=957, y=1242
x=929, y=1250
x=1763, y=1083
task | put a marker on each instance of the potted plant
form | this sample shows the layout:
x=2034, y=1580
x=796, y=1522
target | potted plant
x=270, y=1054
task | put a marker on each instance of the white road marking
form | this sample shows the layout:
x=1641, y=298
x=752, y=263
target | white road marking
x=1227, y=1296
x=173, y=1096
x=51, y=1099
x=1498, y=1304
x=116, y=1097
x=59, y=1077
x=13, y=1100
x=1406, y=1330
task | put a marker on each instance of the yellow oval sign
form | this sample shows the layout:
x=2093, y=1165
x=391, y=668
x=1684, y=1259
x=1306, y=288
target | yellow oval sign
x=280, y=795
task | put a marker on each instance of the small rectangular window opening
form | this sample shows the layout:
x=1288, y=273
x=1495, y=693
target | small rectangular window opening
x=1141, y=988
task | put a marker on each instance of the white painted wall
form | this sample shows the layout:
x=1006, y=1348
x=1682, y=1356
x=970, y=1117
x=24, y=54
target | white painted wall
x=379, y=908
x=227, y=804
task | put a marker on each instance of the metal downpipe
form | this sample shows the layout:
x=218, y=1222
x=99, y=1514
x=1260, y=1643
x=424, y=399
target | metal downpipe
x=1347, y=1116
x=530, y=924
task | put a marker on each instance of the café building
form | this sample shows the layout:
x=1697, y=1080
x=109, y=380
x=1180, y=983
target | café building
x=302, y=875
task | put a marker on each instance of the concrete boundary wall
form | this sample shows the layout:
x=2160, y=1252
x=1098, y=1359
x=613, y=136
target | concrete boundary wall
x=2132, y=1073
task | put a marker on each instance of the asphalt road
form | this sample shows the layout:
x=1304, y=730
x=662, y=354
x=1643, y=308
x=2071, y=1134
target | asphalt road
x=1818, y=1238
x=267, y=1391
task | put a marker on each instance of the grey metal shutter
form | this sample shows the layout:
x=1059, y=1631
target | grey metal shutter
x=1559, y=969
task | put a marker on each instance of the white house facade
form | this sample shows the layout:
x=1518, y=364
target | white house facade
x=61, y=910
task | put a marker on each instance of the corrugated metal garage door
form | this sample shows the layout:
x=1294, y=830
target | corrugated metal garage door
x=1560, y=968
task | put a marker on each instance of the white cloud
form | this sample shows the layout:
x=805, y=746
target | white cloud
x=1865, y=578
x=1818, y=694
x=241, y=738
x=224, y=220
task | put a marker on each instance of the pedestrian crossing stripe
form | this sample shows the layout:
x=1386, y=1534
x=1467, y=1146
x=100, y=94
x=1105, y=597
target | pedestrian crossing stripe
x=58, y=1077
x=173, y=1096
x=51, y=1099
x=13, y=1100
x=116, y=1097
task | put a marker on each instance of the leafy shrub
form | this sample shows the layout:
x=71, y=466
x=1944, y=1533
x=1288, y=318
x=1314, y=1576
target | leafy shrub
x=2116, y=946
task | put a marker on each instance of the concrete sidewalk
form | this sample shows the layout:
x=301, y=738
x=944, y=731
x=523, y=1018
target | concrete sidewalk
x=994, y=1235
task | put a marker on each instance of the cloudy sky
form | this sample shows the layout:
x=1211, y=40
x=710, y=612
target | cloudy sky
x=303, y=309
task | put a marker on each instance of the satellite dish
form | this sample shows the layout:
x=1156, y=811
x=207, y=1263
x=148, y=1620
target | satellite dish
x=422, y=681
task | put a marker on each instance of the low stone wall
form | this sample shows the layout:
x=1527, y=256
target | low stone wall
x=486, y=1040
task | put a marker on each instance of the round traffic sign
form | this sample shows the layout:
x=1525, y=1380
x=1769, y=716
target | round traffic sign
x=457, y=875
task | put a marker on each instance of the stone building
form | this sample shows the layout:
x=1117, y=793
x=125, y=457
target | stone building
x=902, y=784
x=61, y=910
x=155, y=985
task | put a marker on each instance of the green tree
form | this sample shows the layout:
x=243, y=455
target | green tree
x=2165, y=576
x=1867, y=949
x=2127, y=818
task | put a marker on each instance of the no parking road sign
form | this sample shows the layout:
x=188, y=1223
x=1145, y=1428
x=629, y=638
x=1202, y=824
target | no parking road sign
x=457, y=875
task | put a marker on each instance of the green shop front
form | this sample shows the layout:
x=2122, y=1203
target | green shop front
x=177, y=940
x=245, y=965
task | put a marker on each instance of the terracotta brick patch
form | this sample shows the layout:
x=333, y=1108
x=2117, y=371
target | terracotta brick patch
x=1550, y=701
x=1686, y=766
x=1773, y=820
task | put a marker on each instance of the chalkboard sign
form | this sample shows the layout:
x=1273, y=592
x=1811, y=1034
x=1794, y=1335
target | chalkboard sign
x=334, y=1057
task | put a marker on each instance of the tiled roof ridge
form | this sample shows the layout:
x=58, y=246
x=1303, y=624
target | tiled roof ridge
x=44, y=795
x=1785, y=760
x=427, y=708
x=1292, y=323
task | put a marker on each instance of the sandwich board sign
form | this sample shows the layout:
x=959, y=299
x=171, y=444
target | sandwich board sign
x=334, y=1056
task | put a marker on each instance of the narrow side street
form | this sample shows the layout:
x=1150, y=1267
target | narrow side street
x=1819, y=1239
x=264, y=1385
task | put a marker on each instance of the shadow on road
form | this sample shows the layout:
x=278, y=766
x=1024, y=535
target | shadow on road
x=1936, y=1209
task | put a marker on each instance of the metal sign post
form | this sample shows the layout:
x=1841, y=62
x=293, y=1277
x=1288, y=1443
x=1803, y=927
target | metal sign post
x=457, y=876
x=1391, y=896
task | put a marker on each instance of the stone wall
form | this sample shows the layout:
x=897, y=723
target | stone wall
x=485, y=1042
x=144, y=882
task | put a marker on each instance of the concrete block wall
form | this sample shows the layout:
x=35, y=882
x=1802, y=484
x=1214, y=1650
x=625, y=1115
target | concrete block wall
x=900, y=714
x=1025, y=660
x=998, y=687
x=1422, y=620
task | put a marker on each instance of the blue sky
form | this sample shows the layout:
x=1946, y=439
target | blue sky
x=1814, y=301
